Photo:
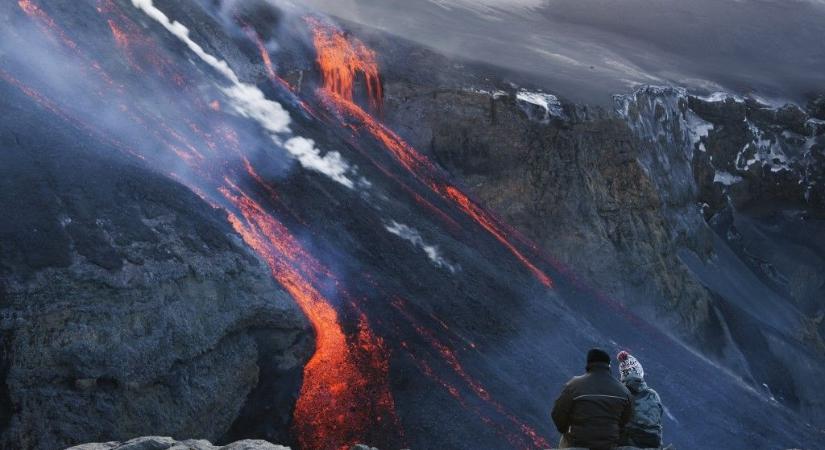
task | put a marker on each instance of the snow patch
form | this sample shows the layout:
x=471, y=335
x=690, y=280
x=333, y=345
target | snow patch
x=767, y=151
x=549, y=103
x=414, y=237
x=494, y=94
x=721, y=97
x=698, y=128
x=726, y=178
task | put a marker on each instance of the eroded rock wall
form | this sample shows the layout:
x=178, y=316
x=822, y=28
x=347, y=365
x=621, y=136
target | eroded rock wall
x=128, y=306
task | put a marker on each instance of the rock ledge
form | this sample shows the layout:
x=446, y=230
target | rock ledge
x=167, y=443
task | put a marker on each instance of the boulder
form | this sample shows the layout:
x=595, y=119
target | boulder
x=167, y=443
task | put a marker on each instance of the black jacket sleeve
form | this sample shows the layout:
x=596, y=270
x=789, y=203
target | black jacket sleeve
x=562, y=409
x=627, y=413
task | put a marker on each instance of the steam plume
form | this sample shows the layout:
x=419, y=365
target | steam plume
x=248, y=101
x=413, y=236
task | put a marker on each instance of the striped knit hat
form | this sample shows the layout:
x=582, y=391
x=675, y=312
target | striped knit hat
x=629, y=366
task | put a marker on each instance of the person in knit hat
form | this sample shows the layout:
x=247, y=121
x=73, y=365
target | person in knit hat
x=644, y=430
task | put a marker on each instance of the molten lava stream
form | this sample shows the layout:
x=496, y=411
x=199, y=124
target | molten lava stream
x=340, y=59
x=429, y=175
x=265, y=58
x=345, y=397
x=449, y=357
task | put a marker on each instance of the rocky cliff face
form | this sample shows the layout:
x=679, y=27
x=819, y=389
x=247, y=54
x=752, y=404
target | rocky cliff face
x=575, y=183
x=127, y=305
x=649, y=202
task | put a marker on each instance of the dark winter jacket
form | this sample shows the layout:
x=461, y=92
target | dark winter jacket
x=593, y=409
x=645, y=427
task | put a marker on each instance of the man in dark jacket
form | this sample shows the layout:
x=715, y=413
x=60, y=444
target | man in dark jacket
x=593, y=408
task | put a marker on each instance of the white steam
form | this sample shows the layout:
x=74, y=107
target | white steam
x=248, y=101
x=413, y=236
x=332, y=164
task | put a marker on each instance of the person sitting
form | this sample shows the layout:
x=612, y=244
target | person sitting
x=593, y=408
x=644, y=430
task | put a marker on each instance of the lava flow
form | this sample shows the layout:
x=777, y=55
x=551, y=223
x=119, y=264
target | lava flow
x=340, y=376
x=531, y=438
x=345, y=397
x=340, y=58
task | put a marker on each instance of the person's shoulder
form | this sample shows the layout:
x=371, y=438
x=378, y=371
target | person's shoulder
x=576, y=381
x=652, y=392
x=617, y=386
x=623, y=388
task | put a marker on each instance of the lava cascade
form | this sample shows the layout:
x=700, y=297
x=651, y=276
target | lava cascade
x=341, y=375
x=334, y=47
x=339, y=58
x=344, y=396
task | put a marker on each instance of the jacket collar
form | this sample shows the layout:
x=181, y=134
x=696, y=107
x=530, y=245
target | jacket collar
x=635, y=384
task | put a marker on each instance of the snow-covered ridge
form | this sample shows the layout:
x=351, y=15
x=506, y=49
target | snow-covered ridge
x=747, y=139
x=661, y=114
x=539, y=105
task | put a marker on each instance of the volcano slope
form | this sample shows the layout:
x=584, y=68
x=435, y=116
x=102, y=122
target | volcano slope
x=657, y=191
x=436, y=325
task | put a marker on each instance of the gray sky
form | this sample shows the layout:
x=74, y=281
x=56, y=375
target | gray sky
x=588, y=49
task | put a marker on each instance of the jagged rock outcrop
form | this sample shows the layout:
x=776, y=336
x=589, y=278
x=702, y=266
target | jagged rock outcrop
x=167, y=443
x=648, y=203
x=128, y=306
x=574, y=184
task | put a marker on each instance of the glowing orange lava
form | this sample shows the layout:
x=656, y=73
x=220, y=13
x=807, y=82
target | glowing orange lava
x=485, y=220
x=345, y=397
x=452, y=361
x=423, y=170
x=340, y=397
x=267, y=60
x=341, y=58
x=45, y=22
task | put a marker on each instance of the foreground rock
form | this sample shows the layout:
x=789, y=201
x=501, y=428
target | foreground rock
x=167, y=443
x=687, y=209
x=128, y=306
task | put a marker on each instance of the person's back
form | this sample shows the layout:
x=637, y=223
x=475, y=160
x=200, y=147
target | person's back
x=592, y=409
x=644, y=429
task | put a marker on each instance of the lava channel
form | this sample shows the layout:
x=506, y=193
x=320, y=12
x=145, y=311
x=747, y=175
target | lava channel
x=345, y=397
x=340, y=59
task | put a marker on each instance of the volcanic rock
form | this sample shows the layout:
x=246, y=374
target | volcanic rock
x=626, y=200
x=128, y=306
x=167, y=443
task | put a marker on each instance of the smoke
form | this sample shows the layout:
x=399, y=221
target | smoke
x=331, y=164
x=413, y=236
x=250, y=102
x=587, y=50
